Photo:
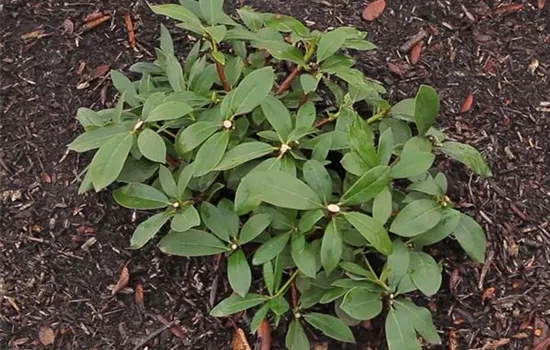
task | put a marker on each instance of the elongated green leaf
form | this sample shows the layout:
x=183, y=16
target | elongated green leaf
x=428, y=186
x=296, y=338
x=191, y=243
x=169, y=110
x=250, y=18
x=238, y=272
x=417, y=217
x=210, y=153
x=140, y=196
x=385, y=147
x=125, y=87
x=259, y=316
x=243, y=153
x=450, y=220
x=185, y=219
x=177, y=12
x=330, y=43
x=215, y=221
x=412, y=164
x=96, y=138
x=184, y=178
x=382, y=206
x=404, y=110
x=236, y=304
x=303, y=257
x=467, y=155
x=306, y=115
x=309, y=219
x=251, y=91
x=372, y=230
x=471, y=237
x=211, y=10
x=218, y=34
x=285, y=24
x=309, y=83
x=253, y=227
x=300, y=132
x=152, y=146
x=109, y=160
x=88, y=117
x=426, y=108
x=425, y=273
x=368, y=186
x=420, y=318
x=400, y=333
x=330, y=326
x=233, y=70
x=167, y=182
x=332, y=247
x=281, y=189
x=194, y=135
x=148, y=229
x=270, y=249
x=318, y=178
x=353, y=164
x=166, y=42
x=362, y=304
x=174, y=73
x=362, y=142
x=398, y=262
x=280, y=50
x=278, y=116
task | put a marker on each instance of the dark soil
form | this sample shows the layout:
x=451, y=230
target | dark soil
x=60, y=252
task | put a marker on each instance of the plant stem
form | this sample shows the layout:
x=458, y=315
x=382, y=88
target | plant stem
x=383, y=113
x=288, y=81
x=282, y=290
x=219, y=67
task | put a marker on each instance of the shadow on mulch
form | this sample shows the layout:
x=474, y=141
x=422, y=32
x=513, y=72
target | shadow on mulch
x=60, y=251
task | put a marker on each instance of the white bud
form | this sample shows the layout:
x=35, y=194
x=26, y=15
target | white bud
x=285, y=148
x=333, y=208
x=138, y=125
x=227, y=124
x=234, y=246
x=297, y=315
x=176, y=204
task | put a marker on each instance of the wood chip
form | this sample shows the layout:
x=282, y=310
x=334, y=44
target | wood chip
x=123, y=280
x=374, y=10
x=407, y=46
x=416, y=50
x=46, y=335
x=239, y=341
x=175, y=328
x=507, y=9
x=467, y=104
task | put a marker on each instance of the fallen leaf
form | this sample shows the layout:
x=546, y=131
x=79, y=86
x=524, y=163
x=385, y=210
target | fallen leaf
x=453, y=341
x=239, y=341
x=36, y=34
x=130, y=29
x=46, y=335
x=96, y=22
x=416, y=50
x=46, y=178
x=122, y=280
x=467, y=104
x=264, y=335
x=139, y=294
x=100, y=71
x=454, y=280
x=175, y=328
x=93, y=16
x=374, y=10
x=488, y=294
x=541, y=4
x=507, y=9
x=395, y=69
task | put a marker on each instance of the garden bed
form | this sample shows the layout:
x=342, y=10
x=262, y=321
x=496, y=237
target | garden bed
x=60, y=252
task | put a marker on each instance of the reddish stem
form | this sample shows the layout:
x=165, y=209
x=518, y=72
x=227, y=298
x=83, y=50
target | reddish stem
x=286, y=84
x=322, y=123
x=223, y=78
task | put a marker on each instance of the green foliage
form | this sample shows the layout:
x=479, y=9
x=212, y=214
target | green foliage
x=237, y=160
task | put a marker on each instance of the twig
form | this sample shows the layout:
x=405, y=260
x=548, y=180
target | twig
x=130, y=28
x=288, y=81
x=322, y=123
x=407, y=46
x=223, y=78
x=153, y=335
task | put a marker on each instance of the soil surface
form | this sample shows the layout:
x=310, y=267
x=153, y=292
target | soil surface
x=60, y=253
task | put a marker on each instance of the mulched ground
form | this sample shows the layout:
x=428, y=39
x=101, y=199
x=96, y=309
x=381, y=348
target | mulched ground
x=60, y=252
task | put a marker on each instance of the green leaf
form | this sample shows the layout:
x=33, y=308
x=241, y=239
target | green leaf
x=353, y=164
x=318, y=178
x=332, y=295
x=321, y=149
x=109, y=160
x=259, y=316
x=243, y=153
x=362, y=142
x=167, y=182
x=281, y=189
x=184, y=178
x=382, y=206
x=471, y=237
x=281, y=50
x=151, y=102
x=411, y=164
x=191, y=243
x=417, y=217
x=148, y=229
x=88, y=117
x=467, y=155
x=236, y=304
x=238, y=272
x=303, y=257
x=250, y=18
x=185, y=219
x=385, y=147
x=253, y=227
x=177, y=12
x=166, y=43
x=400, y=334
x=309, y=83
x=332, y=247
x=251, y=91
x=362, y=304
x=152, y=146
x=404, y=110
x=398, y=262
x=372, y=230
x=419, y=317
x=279, y=305
x=269, y=277
x=137, y=170
x=296, y=338
x=233, y=70
x=330, y=326
x=270, y=249
x=309, y=219
x=96, y=138
x=125, y=87
x=336, y=63
x=174, y=73
x=449, y=222
x=194, y=135
x=400, y=130
x=169, y=111
x=368, y=186
x=425, y=273
x=330, y=43
x=214, y=219
x=218, y=34
x=210, y=153
x=300, y=132
x=140, y=196
x=306, y=115
x=211, y=10
x=428, y=186
x=284, y=24
x=426, y=108
x=278, y=116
